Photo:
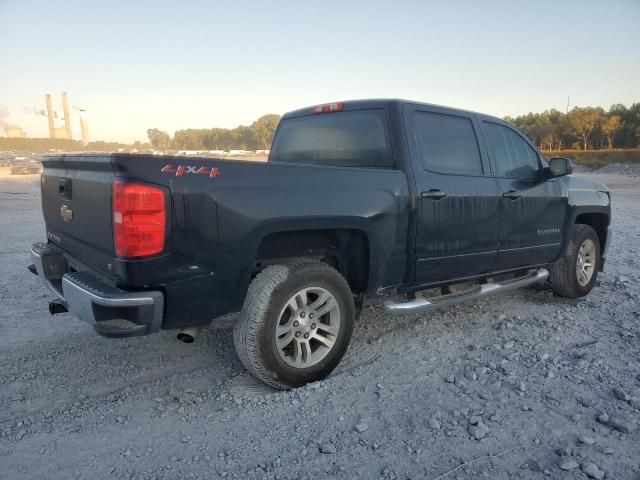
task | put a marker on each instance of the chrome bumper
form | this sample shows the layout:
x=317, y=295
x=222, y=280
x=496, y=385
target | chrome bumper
x=111, y=311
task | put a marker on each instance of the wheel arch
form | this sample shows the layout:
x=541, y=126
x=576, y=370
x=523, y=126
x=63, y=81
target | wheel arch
x=347, y=249
x=599, y=221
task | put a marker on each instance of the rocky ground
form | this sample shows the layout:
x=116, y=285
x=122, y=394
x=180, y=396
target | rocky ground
x=525, y=385
x=620, y=169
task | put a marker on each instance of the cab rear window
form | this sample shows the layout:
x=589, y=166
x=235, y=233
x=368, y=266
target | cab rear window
x=357, y=138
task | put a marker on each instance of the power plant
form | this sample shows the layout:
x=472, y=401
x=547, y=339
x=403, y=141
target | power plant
x=50, y=116
x=65, y=132
x=84, y=128
x=67, y=120
x=56, y=132
x=14, y=132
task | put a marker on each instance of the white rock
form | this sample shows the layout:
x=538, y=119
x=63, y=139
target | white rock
x=586, y=440
x=592, y=470
x=361, y=427
x=568, y=464
x=328, y=448
x=479, y=431
x=624, y=425
x=434, y=424
x=621, y=395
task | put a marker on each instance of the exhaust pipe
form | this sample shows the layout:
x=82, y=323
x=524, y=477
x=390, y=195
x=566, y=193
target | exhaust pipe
x=57, y=307
x=188, y=335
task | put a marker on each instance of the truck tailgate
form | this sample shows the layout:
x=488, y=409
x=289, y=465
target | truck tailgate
x=76, y=203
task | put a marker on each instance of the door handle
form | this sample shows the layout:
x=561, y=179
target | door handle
x=511, y=195
x=433, y=194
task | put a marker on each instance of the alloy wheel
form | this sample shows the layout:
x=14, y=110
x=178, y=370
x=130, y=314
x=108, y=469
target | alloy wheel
x=307, y=327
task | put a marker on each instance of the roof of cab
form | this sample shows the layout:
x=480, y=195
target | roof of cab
x=383, y=103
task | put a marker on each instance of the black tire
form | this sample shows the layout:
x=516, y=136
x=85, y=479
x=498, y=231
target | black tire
x=563, y=276
x=254, y=332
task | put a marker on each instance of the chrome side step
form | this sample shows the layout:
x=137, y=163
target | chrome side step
x=421, y=304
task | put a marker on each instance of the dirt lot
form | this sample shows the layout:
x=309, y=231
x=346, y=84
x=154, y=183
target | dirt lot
x=549, y=387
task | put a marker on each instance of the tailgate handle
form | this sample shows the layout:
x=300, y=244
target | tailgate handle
x=64, y=188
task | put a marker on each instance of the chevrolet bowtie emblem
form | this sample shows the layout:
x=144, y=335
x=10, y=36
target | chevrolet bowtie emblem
x=66, y=213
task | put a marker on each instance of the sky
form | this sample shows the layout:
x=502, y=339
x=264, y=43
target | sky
x=171, y=65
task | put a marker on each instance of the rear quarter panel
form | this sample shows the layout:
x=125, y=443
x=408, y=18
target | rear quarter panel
x=289, y=197
x=219, y=221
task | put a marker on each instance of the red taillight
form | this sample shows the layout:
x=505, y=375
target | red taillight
x=328, y=107
x=139, y=219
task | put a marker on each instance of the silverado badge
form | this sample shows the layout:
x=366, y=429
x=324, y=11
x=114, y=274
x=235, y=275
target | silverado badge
x=66, y=213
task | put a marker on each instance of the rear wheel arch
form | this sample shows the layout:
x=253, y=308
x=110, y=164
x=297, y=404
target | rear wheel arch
x=345, y=249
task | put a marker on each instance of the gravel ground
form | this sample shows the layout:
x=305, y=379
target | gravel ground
x=530, y=385
x=621, y=169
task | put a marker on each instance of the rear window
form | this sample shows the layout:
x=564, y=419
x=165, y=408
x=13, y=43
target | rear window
x=351, y=139
x=447, y=143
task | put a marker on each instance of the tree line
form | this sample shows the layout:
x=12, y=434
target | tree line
x=582, y=128
x=50, y=145
x=256, y=136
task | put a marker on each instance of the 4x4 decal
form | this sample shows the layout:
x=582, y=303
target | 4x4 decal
x=181, y=170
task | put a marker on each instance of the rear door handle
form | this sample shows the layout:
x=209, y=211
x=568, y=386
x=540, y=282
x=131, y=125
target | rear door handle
x=511, y=195
x=433, y=194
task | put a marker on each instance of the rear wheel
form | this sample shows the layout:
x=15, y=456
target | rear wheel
x=295, y=324
x=575, y=273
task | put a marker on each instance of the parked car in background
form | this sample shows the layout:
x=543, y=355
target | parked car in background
x=26, y=168
x=20, y=168
x=35, y=166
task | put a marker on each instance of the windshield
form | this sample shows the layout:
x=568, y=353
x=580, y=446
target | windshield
x=354, y=139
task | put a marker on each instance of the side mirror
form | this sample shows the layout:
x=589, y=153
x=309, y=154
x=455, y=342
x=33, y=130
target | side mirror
x=560, y=166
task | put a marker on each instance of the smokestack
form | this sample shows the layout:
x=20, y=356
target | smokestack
x=67, y=119
x=84, y=128
x=50, y=115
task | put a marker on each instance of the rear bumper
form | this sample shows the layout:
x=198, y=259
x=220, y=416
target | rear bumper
x=111, y=311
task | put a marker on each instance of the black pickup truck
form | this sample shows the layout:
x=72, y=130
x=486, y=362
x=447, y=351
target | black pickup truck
x=417, y=205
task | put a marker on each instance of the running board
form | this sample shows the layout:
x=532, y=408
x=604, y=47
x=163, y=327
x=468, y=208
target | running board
x=421, y=304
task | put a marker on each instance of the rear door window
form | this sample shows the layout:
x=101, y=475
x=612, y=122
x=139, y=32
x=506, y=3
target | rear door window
x=356, y=138
x=512, y=155
x=447, y=143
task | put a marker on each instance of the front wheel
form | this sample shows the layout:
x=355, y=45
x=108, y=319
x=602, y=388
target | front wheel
x=295, y=324
x=575, y=273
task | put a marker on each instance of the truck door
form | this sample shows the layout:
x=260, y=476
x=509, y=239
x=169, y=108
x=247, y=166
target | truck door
x=532, y=207
x=457, y=212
